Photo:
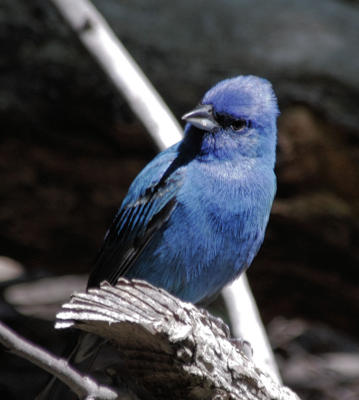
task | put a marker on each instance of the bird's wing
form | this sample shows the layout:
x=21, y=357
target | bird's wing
x=147, y=206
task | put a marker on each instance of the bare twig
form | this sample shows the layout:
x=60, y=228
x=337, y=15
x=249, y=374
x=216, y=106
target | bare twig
x=83, y=386
x=127, y=77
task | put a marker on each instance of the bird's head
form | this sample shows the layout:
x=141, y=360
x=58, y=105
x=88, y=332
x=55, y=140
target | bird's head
x=236, y=117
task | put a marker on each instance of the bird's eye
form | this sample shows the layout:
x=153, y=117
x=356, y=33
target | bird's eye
x=238, y=124
x=226, y=120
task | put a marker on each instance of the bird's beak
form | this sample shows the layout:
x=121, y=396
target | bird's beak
x=202, y=118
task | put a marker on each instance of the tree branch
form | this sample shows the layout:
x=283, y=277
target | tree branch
x=247, y=324
x=166, y=345
x=127, y=77
x=83, y=386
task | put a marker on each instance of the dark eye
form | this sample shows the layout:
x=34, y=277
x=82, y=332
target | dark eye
x=238, y=124
x=226, y=120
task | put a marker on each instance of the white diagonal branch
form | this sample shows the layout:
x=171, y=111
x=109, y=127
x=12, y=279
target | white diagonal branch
x=247, y=324
x=102, y=43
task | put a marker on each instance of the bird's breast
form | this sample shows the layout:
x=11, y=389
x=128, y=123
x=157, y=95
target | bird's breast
x=212, y=234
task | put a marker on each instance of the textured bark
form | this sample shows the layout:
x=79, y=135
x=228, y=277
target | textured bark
x=166, y=345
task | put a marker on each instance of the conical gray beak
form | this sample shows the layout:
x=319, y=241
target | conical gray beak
x=202, y=118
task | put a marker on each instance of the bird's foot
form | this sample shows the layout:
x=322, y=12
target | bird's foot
x=218, y=322
x=243, y=346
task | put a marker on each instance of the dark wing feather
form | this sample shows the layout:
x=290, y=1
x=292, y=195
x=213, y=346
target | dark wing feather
x=133, y=228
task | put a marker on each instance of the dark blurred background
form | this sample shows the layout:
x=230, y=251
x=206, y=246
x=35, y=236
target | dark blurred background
x=70, y=146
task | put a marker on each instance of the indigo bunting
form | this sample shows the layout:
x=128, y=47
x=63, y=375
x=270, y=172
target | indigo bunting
x=196, y=215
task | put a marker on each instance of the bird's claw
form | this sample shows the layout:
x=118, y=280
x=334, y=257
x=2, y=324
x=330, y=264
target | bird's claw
x=243, y=346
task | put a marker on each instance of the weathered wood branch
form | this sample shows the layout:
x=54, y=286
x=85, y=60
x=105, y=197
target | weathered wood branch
x=166, y=345
x=83, y=386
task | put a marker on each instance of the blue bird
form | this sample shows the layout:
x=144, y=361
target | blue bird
x=195, y=217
